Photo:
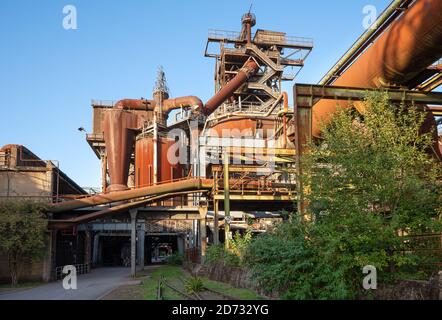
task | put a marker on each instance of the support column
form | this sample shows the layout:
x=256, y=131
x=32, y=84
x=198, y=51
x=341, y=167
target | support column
x=216, y=222
x=103, y=172
x=180, y=243
x=47, y=260
x=95, y=250
x=87, y=247
x=203, y=234
x=133, y=242
x=53, y=253
x=141, y=236
x=226, y=160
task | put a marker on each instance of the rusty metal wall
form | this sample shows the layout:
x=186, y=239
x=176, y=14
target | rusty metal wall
x=144, y=162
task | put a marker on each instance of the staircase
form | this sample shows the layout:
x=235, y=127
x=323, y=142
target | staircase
x=254, y=51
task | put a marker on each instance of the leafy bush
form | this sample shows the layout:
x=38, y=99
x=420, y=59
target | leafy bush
x=214, y=253
x=282, y=260
x=218, y=253
x=194, y=285
x=239, y=243
x=370, y=180
x=175, y=259
x=22, y=232
x=233, y=256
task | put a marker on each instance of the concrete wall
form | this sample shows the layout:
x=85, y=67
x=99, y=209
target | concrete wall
x=25, y=184
x=39, y=269
x=29, y=271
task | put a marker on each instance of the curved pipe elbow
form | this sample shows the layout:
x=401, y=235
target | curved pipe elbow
x=182, y=102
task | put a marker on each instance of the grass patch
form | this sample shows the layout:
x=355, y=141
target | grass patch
x=240, y=293
x=150, y=284
x=174, y=276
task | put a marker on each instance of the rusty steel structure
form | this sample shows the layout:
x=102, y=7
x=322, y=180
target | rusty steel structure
x=246, y=141
x=400, y=54
x=221, y=178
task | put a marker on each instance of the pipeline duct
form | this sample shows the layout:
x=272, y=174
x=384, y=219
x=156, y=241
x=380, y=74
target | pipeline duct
x=411, y=44
x=119, y=134
x=170, y=187
x=249, y=68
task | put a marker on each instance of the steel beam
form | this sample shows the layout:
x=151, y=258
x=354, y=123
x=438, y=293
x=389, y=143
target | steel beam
x=253, y=197
x=133, y=242
x=226, y=198
x=307, y=95
x=203, y=234
x=215, y=222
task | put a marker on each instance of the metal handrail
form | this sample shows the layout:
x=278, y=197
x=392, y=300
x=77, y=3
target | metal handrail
x=249, y=107
x=80, y=268
x=236, y=36
x=103, y=103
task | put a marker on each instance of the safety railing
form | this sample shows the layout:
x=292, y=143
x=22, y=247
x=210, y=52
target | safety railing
x=247, y=107
x=224, y=35
x=181, y=116
x=4, y=159
x=80, y=269
x=95, y=137
x=103, y=103
x=92, y=190
x=264, y=37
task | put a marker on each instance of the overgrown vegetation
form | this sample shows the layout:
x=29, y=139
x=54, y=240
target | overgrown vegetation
x=174, y=276
x=234, y=255
x=194, y=285
x=22, y=232
x=175, y=259
x=370, y=185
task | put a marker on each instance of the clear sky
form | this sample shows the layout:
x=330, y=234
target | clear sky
x=48, y=75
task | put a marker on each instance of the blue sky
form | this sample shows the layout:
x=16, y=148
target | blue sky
x=48, y=75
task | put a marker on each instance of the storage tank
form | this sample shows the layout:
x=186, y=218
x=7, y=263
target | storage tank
x=145, y=164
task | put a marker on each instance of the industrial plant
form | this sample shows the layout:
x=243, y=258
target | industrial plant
x=180, y=174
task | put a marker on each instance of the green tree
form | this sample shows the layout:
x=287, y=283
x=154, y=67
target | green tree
x=22, y=232
x=368, y=182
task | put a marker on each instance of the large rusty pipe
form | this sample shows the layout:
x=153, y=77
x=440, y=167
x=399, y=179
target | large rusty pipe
x=249, y=68
x=392, y=10
x=61, y=224
x=168, y=105
x=135, y=104
x=182, y=102
x=411, y=44
x=119, y=128
x=119, y=133
x=176, y=186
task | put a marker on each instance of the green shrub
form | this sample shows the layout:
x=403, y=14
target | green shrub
x=23, y=224
x=214, y=253
x=239, y=243
x=194, y=285
x=218, y=253
x=368, y=180
x=175, y=259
